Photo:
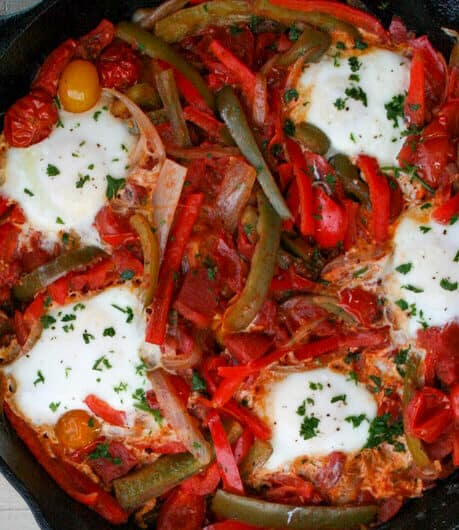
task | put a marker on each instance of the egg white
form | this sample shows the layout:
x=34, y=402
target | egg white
x=61, y=182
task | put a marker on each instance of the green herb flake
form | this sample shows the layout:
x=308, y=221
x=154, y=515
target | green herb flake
x=316, y=386
x=122, y=387
x=293, y=33
x=378, y=383
x=360, y=272
x=141, y=369
x=412, y=288
x=128, y=311
x=402, y=304
x=383, y=430
x=289, y=128
x=354, y=64
x=52, y=170
x=82, y=181
x=308, y=428
x=47, y=321
x=88, y=337
x=102, y=363
x=198, y=384
x=28, y=192
x=40, y=378
x=54, y=406
x=340, y=103
x=425, y=229
x=404, y=268
x=360, y=44
x=358, y=94
x=109, y=332
x=352, y=376
x=59, y=221
x=395, y=109
x=447, y=285
x=96, y=115
x=340, y=397
x=456, y=257
x=291, y=95
x=340, y=45
x=356, y=420
x=113, y=186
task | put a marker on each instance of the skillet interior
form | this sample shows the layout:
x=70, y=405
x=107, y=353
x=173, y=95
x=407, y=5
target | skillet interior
x=24, y=42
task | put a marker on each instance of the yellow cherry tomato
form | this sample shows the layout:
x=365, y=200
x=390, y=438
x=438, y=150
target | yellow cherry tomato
x=76, y=428
x=79, y=87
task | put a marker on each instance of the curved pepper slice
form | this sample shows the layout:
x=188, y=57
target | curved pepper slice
x=239, y=315
x=272, y=515
x=233, y=115
x=40, y=278
x=156, y=48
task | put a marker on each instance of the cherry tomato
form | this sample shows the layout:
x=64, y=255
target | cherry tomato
x=118, y=66
x=182, y=510
x=77, y=428
x=91, y=44
x=30, y=119
x=79, y=87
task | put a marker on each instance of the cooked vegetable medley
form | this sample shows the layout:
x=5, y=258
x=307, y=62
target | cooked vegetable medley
x=229, y=266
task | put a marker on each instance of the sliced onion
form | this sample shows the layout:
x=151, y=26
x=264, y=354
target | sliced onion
x=182, y=361
x=193, y=153
x=147, y=17
x=150, y=145
x=185, y=426
x=165, y=199
x=260, y=100
x=34, y=335
x=235, y=191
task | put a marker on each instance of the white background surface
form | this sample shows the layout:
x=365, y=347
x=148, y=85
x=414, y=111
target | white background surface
x=14, y=513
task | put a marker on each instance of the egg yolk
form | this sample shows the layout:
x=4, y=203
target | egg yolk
x=76, y=429
x=79, y=87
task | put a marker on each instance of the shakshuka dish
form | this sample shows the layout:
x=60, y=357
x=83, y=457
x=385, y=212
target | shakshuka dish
x=229, y=266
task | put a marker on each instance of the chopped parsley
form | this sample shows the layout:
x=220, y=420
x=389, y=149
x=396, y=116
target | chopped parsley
x=352, y=376
x=248, y=229
x=395, y=109
x=235, y=29
x=360, y=272
x=68, y=317
x=59, y=221
x=378, y=383
x=447, y=285
x=400, y=360
x=40, y=378
x=79, y=306
x=354, y=64
x=340, y=103
x=28, y=192
x=291, y=95
x=316, y=386
x=101, y=363
x=128, y=311
x=122, y=387
x=113, y=186
x=289, y=127
x=412, y=288
x=360, y=44
x=88, y=337
x=54, y=406
x=301, y=410
x=404, y=268
x=52, y=170
x=293, y=33
x=102, y=451
x=47, y=321
x=402, y=304
x=456, y=257
x=82, y=181
x=198, y=384
x=426, y=206
x=141, y=369
x=109, y=332
x=425, y=229
x=356, y=420
x=340, y=45
x=308, y=428
x=358, y=94
x=340, y=397
x=96, y=115
x=141, y=404
x=382, y=430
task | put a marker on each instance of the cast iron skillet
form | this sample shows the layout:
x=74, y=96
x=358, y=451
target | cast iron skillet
x=24, y=43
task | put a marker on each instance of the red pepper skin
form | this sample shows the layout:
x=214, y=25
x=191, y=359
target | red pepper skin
x=330, y=217
x=259, y=429
x=230, y=525
x=226, y=390
x=428, y=414
x=446, y=211
x=226, y=462
x=102, y=409
x=71, y=480
x=30, y=119
x=246, y=347
x=351, y=209
x=415, y=101
x=181, y=231
x=454, y=398
x=190, y=93
x=50, y=72
x=456, y=448
x=379, y=197
x=362, y=304
x=244, y=76
x=114, y=229
x=182, y=511
x=348, y=14
x=91, y=44
x=203, y=483
x=109, y=469
x=59, y=290
x=205, y=121
x=119, y=66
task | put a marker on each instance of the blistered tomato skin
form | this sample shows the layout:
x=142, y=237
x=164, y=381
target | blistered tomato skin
x=77, y=428
x=119, y=66
x=79, y=87
x=30, y=119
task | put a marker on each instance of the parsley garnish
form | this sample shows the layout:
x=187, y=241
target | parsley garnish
x=141, y=404
x=447, y=285
x=59, y=221
x=404, y=268
x=291, y=95
x=102, y=451
x=68, y=317
x=340, y=397
x=352, y=376
x=289, y=127
x=357, y=93
x=28, y=192
x=113, y=186
x=87, y=337
x=40, y=378
x=47, y=321
x=109, y=332
x=412, y=288
x=356, y=420
x=425, y=229
x=316, y=386
x=377, y=381
x=340, y=103
x=360, y=272
x=52, y=171
x=198, y=384
x=400, y=360
x=293, y=33
x=456, y=257
x=141, y=368
x=383, y=431
x=360, y=44
x=101, y=363
x=308, y=428
x=54, y=406
x=128, y=311
x=122, y=387
x=402, y=304
x=395, y=109
x=82, y=181
x=96, y=115
x=354, y=64
x=78, y=306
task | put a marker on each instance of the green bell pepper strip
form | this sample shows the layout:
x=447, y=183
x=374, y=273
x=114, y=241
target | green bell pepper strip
x=272, y=515
x=43, y=276
x=323, y=21
x=410, y=383
x=312, y=138
x=350, y=179
x=257, y=456
x=311, y=45
x=239, y=315
x=156, y=48
x=191, y=20
x=233, y=115
x=151, y=256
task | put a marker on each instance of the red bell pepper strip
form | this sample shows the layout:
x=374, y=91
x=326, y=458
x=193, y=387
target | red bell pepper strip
x=304, y=185
x=428, y=414
x=230, y=525
x=348, y=14
x=203, y=483
x=246, y=347
x=242, y=445
x=379, y=197
x=182, y=511
x=71, y=480
x=50, y=72
x=244, y=76
x=35, y=310
x=205, y=121
x=226, y=390
x=455, y=436
x=59, y=290
x=317, y=348
x=330, y=225
x=181, y=231
x=447, y=211
x=190, y=92
x=114, y=229
x=415, y=101
x=258, y=427
x=454, y=398
x=224, y=454
x=351, y=209
x=102, y=409
x=363, y=305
